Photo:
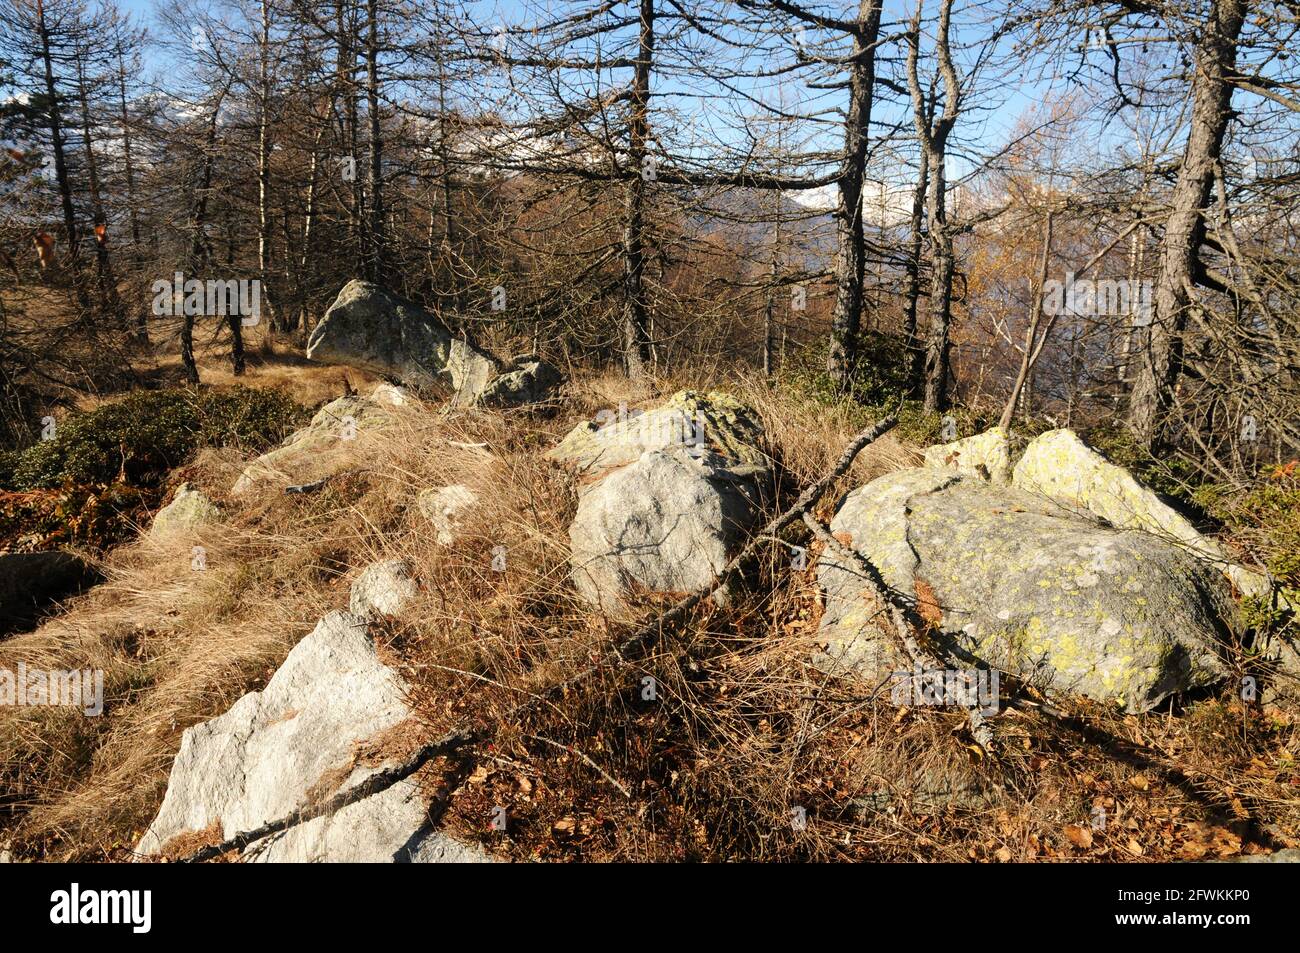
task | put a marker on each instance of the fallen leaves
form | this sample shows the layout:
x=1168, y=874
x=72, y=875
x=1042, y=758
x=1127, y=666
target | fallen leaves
x=1078, y=835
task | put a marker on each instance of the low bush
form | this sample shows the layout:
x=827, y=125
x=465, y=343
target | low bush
x=139, y=439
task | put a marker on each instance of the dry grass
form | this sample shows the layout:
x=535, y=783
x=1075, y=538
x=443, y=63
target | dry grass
x=741, y=735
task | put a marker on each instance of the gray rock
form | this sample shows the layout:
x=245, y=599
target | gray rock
x=298, y=740
x=382, y=589
x=665, y=523
x=32, y=583
x=716, y=420
x=445, y=508
x=389, y=395
x=188, y=509
x=1027, y=586
x=530, y=382
x=986, y=455
x=1059, y=465
x=371, y=328
x=318, y=449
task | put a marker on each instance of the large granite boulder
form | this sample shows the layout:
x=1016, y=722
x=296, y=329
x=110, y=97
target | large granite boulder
x=986, y=455
x=325, y=722
x=666, y=523
x=1058, y=464
x=666, y=496
x=369, y=327
x=688, y=418
x=529, y=380
x=1008, y=578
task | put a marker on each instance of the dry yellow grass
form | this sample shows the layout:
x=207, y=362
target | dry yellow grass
x=744, y=731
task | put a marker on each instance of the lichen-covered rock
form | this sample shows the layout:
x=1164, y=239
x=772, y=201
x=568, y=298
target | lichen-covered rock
x=1022, y=584
x=382, y=589
x=371, y=328
x=665, y=523
x=986, y=455
x=531, y=380
x=716, y=421
x=189, y=509
x=320, y=448
x=1058, y=464
x=445, y=508
x=318, y=727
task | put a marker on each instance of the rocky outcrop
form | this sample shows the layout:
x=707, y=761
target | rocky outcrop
x=1059, y=465
x=188, y=509
x=1018, y=582
x=688, y=418
x=320, y=448
x=529, y=380
x=666, y=496
x=332, y=715
x=665, y=523
x=986, y=455
x=371, y=328
x=32, y=583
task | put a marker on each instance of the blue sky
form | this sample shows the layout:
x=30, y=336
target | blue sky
x=1001, y=107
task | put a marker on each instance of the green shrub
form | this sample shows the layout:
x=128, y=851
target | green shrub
x=139, y=439
x=1171, y=475
x=878, y=386
x=1270, y=512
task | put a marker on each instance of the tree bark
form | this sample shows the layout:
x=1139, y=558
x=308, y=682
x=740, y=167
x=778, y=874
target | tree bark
x=1161, y=364
x=378, y=259
x=58, y=147
x=850, y=256
x=1033, y=346
x=636, y=336
x=933, y=136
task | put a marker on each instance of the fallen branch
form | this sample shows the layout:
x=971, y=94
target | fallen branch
x=589, y=762
x=644, y=636
x=807, y=499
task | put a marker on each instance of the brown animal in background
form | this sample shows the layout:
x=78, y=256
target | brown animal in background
x=44, y=248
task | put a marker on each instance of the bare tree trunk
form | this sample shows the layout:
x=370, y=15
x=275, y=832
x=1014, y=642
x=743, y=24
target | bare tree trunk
x=933, y=136
x=128, y=159
x=1033, y=346
x=345, y=71
x=198, y=254
x=850, y=257
x=636, y=337
x=109, y=304
x=58, y=146
x=1161, y=365
x=377, y=265
x=264, y=160
x=912, y=294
